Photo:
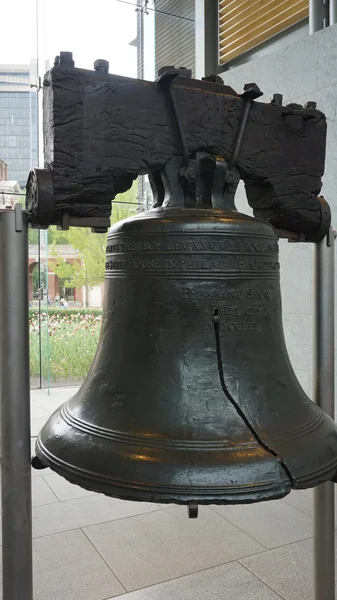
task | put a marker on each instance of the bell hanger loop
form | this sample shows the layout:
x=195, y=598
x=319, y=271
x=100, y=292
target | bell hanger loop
x=205, y=183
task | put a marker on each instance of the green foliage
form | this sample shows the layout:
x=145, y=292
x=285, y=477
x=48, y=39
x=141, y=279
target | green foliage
x=60, y=237
x=33, y=237
x=91, y=247
x=68, y=340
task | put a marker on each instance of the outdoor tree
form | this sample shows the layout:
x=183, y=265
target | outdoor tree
x=89, y=270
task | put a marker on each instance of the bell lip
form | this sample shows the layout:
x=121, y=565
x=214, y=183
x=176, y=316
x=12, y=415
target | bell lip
x=240, y=494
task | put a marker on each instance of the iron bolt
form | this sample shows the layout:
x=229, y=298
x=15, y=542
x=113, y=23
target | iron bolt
x=188, y=174
x=277, y=99
x=251, y=91
x=310, y=104
x=101, y=65
x=166, y=69
x=173, y=71
x=231, y=175
x=214, y=79
x=66, y=58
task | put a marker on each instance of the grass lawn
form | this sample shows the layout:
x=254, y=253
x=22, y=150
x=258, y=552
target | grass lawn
x=69, y=339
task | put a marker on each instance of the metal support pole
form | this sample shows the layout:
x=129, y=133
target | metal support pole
x=323, y=393
x=15, y=407
x=206, y=37
x=318, y=15
x=333, y=12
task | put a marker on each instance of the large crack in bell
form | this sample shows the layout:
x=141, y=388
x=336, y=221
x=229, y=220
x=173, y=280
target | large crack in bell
x=279, y=459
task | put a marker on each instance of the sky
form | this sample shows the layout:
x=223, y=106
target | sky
x=90, y=29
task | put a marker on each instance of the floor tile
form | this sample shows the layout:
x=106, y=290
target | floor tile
x=304, y=500
x=152, y=548
x=230, y=582
x=287, y=570
x=301, y=499
x=80, y=512
x=37, y=424
x=38, y=412
x=63, y=489
x=41, y=492
x=67, y=567
x=271, y=523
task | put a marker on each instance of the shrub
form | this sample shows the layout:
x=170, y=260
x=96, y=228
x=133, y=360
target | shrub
x=67, y=339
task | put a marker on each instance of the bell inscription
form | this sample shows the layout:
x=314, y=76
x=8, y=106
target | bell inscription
x=192, y=254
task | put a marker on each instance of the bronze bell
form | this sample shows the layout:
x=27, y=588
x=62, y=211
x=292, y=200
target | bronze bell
x=191, y=396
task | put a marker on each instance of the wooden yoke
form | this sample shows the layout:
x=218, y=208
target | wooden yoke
x=101, y=131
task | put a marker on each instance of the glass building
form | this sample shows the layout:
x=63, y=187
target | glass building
x=18, y=121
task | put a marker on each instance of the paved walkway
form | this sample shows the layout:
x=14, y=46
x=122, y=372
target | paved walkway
x=90, y=547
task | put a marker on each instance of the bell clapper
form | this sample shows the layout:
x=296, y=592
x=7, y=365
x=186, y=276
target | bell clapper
x=193, y=510
x=37, y=464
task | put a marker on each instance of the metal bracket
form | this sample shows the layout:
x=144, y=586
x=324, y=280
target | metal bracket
x=250, y=93
x=205, y=183
x=37, y=85
x=166, y=75
x=18, y=217
x=96, y=224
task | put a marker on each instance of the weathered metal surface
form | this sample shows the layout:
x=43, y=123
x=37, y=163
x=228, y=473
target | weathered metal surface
x=191, y=396
x=101, y=131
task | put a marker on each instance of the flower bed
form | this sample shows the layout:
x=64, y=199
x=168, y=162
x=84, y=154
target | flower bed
x=68, y=340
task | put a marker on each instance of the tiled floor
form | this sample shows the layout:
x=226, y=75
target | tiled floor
x=90, y=547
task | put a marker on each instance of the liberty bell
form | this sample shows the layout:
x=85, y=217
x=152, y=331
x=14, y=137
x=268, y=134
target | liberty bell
x=191, y=397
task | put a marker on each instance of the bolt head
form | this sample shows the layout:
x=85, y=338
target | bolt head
x=187, y=174
x=310, y=104
x=251, y=91
x=101, y=65
x=277, y=99
x=214, y=79
x=66, y=58
x=166, y=69
x=182, y=71
x=190, y=174
x=231, y=176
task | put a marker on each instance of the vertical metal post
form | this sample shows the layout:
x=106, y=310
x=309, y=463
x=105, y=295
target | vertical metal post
x=332, y=12
x=323, y=392
x=206, y=37
x=318, y=15
x=15, y=407
x=140, y=75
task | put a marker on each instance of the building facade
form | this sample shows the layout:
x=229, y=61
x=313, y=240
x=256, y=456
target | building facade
x=18, y=120
x=9, y=193
x=3, y=171
x=174, y=34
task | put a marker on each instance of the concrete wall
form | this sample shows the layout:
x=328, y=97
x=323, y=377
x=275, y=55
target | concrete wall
x=304, y=70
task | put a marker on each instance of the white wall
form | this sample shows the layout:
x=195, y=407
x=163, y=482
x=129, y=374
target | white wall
x=304, y=70
x=95, y=296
